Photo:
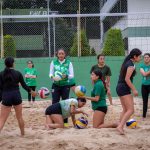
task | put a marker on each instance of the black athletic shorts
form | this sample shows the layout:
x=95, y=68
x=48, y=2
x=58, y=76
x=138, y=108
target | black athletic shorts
x=53, y=109
x=10, y=98
x=123, y=89
x=102, y=109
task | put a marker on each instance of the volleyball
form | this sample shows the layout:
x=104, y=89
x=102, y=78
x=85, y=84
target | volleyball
x=81, y=123
x=80, y=90
x=43, y=92
x=131, y=123
x=57, y=76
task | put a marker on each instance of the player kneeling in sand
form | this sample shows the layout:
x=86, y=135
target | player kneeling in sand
x=56, y=113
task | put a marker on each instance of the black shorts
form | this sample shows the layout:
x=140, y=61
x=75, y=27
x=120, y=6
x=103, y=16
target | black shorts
x=102, y=109
x=53, y=109
x=10, y=98
x=123, y=89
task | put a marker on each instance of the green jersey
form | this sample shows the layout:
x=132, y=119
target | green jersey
x=105, y=70
x=64, y=69
x=31, y=81
x=66, y=105
x=99, y=90
x=145, y=79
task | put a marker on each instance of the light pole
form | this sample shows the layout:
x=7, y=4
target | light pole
x=49, y=30
x=2, y=37
x=54, y=32
x=79, y=30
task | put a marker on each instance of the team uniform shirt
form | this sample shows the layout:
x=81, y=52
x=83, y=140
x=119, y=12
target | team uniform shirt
x=105, y=70
x=122, y=76
x=31, y=81
x=145, y=79
x=72, y=82
x=99, y=90
x=14, y=84
x=66, y=105
x=65, y=67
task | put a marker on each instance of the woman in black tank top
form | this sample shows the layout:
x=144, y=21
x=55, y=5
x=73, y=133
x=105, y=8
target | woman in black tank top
x=125, y=86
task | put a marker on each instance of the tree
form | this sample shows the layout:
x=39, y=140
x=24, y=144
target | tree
x=64, y=34
x=9, y=46
x=85, y=47
x=113, y=45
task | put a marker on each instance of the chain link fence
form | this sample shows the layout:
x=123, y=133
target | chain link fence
x=87, y=34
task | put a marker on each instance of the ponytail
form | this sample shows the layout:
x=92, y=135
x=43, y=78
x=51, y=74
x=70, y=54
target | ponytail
x=7, y=75
x=134, y=52
x=9, y=61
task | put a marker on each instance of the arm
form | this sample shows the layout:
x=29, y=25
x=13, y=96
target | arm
x=144, y=73
x=71, y=72
x=74, y=111
x=128, y=81
x=94, y=99
x=51, y=72
x=107, y=81
x=23, y=84
x=73, y=119
x=1, y=87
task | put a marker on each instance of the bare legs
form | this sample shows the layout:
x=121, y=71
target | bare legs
x=18, y=110
x=98, y=121
x=54, y=121
x=128, y=110
x=5, y=110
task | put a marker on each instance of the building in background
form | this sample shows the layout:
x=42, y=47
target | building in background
x=135, y=28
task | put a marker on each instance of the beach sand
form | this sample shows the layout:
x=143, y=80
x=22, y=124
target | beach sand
x=37, y=138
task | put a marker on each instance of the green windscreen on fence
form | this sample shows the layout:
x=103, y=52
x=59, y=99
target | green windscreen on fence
x=82, y=68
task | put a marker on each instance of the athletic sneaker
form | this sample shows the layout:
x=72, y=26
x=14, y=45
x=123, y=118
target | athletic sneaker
x=66, y=125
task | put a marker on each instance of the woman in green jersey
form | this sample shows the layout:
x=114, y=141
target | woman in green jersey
x=30, y=78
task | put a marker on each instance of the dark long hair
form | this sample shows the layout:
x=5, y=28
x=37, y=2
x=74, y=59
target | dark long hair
x=97, y=72
x=60, y=50
x=30, y=61
x=9, y=61
x=134, y=52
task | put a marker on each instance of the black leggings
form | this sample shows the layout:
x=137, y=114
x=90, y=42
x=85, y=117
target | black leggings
x=29, y=94
x=145, y=93
x=60, y=92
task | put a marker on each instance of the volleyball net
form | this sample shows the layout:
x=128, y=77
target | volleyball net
x=41, y=35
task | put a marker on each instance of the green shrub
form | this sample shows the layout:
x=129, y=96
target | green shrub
x=9, y=46
x=113, y=45
x=85, y=47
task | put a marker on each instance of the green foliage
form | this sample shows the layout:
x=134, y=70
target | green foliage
x=64, y=34
x=9, y=46
x=85, y=47
x=93, y=52
x=113, y=45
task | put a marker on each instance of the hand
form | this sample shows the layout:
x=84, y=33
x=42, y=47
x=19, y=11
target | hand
x=85, y=113
x=64, y=76
x=55, y=79
x=27, y=76
x=135, y=92
x=33, y=93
